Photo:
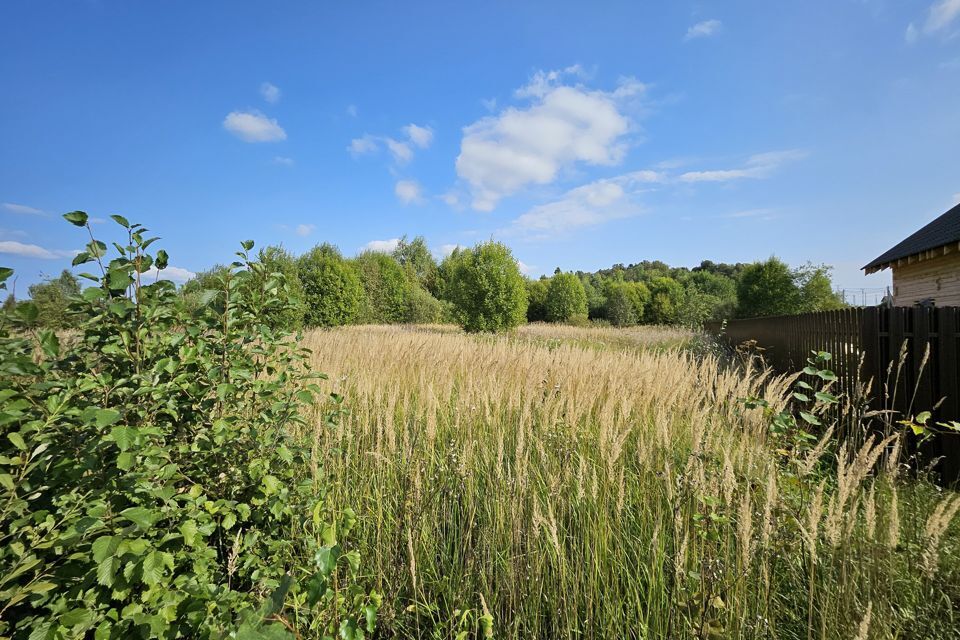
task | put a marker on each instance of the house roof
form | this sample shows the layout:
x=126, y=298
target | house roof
x=943, y=231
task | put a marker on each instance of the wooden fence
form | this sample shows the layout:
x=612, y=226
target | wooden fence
x=909, y=354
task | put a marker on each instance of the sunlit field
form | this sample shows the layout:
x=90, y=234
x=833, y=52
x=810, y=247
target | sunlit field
x=603, y=483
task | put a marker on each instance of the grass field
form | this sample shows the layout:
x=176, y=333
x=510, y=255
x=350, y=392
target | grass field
x=601, y=483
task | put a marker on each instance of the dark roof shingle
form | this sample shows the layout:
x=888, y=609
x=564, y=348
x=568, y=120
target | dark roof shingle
x=944, y=230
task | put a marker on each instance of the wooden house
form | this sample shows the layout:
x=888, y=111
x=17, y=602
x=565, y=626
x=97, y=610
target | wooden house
x=926, y=265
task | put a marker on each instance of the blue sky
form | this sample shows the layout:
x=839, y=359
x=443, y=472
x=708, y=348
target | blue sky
x=582, y=134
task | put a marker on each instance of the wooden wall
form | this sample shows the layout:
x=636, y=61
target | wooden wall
x=937, y=278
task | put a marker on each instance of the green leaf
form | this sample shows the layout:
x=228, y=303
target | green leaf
x=370, y=614
x=189, y=532
x=78, y=218
x=275, y=604
x=141, y=516
x=827, y=398
x=923, y=417
x=162, y=260
x=28, y=312
x=247, y=244
x=17, y=440
x=49, y=344
x=104, y=547
x=801, y=397
x=119, y=279
x=229, y=520
x=125, y=461
x=92, y=293
x=107, y=571
x=106, y=417
x=120, y=220
x=5, y=273
x=76, y=617
x=809, y=418
x=153, y=566
x=81, y=258
x=96, y=249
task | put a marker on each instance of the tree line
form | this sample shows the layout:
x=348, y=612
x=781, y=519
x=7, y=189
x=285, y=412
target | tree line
x=482, y=289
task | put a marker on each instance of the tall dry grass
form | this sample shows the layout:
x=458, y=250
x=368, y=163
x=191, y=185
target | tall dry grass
x=623, y=491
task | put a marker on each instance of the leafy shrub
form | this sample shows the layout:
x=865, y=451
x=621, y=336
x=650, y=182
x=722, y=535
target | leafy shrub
x=625, y=303
x=537, y=300
x=332, y=291
x=279, y=260
x=385, y=286
x=415, y=257
x=565, y=298
x=51, y=299
x=150, y=482
x=666, y=298
x=486, y=288
x=767, y=289
x=423, y=308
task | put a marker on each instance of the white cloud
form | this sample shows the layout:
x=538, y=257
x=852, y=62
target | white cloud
x=304, y=230
x=760, y=165
x=407, y=191
x=362, y=145
x=562, y=126
x=382, y=246
x=270, y=92
x=253, y=126
x=352, y=110
x=285, y=161
x=490, y=104
x=542, y=82
x=956, y=198
x=174, y=274
x=940, y=16
x=450, y=198
x=22, y=209
x=586, y=206
x=401, y=151
x=525, y=269
x=703, y=29
x=420, y=136
x=14, y=248
x=911, y=34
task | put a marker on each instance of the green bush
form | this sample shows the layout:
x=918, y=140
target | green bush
x=666, y=299
x=767, y=289
x=537, y=300
x=565, y=298
x=423, y=308
x=332, y=291
x=415, y=257
x=385, y=286
x=485, y=287
x=151, y=482
x=52, y=297
x=625, y=302
x=279, y=260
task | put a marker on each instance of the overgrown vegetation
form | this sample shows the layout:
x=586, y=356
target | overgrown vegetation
x=409, y=286
x=150, y=485
x=574, y=486
x=170, y=467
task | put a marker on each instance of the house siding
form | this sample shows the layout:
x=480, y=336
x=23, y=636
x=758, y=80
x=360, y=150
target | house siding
x=934, y=278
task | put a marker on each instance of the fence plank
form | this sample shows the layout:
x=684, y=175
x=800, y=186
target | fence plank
x=885, y=347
